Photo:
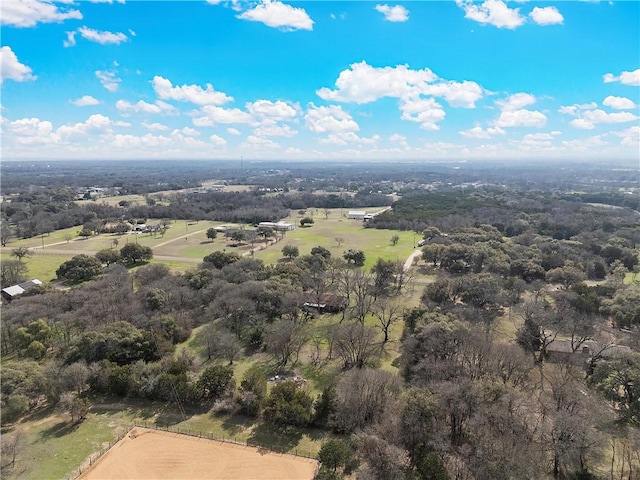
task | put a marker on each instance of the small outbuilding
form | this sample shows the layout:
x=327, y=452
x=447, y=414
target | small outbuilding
x=356, y=214
x=14, y=291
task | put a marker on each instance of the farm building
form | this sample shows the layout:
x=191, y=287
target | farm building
x=14, y=291
x=277, y=226
x=326, y=302
x=356, y=214
x=562, y=350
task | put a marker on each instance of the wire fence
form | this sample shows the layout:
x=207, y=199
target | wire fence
x=94, y=457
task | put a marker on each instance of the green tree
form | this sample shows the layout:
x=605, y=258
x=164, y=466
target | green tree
x=306, y=221
x=212, y=233
x=287, y=405
x=290, y=251
x=357, y=257
x=12, y=272
x=79, y=268
x=619, y=381
x=395, y=239
x=334, y=453
x=221, y=259
x=239, y=236
x=108, y=256
x=214, y=381
x=321, y=251
x=133, y=253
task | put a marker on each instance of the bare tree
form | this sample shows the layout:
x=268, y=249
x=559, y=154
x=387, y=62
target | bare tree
x=284, y=339
x=355, y=344
x=388, y=312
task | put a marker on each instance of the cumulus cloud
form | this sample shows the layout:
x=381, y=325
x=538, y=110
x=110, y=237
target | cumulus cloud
x=189, y=93
x=362, y=83
x=101, y=37
x=217, y=140
x=516, y=101
x=108, y=79
x=276, y=111
x=29, y=131
x=95, y=124
x=279, y=15
x=546, y=16
x=212, y=115
x=329, y=119
x=626, y=78
x=630, y=137
x=142, y=106
x=425, y=111
x=28, y=13
x=577, y=108
x=155, y=126
x=85, y=101
x=274, y=130
x=492, y=12
x=619, y=103
x=590, y=118
x=393, y=14
x=479, y=132
x=11, y=68
x=233, y=131
x=521, y=118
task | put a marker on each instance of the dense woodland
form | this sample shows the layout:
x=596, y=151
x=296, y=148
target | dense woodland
x=463, y=399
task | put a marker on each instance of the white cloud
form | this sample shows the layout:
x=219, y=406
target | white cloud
x=546, y=16
x=521, y=118
x=213, y=115
x=479, y=132
x=29, y=131
x=492, y=12
x=28, y=13
x=619, y=103
x=11, y=68
x=630, y=137
x=260, y=143
x=85, y=101
x=95, y=124
x=516, y=101
x=329, y=119
x=362, y=83
x=457, y=94
x=577, y=108
x=276, y=111
x=626, y=78
x=279, y=15
x=103, y=38
x=155, y=126
x=347, y=138
x=273, y=130
x=186, y=131
x=425, y=111
x=393, y=14
x=142, y=106
x=217, y=141
x=590, y=118
x=189, y=93
x=233, y=131
x=108, y=79
x=584, y=144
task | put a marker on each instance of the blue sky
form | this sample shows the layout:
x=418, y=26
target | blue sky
x=425, y=81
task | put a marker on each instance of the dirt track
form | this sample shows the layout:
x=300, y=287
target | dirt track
x=151, y=454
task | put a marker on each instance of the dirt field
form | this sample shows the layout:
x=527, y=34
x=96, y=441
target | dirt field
x=151, y=454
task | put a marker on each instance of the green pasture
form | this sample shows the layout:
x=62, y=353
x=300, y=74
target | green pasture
x=375, y=243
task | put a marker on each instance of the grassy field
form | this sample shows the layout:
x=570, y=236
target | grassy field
x=375, y=243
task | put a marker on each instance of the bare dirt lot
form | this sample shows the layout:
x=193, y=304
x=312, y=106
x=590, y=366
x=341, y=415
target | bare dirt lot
x=151, y=454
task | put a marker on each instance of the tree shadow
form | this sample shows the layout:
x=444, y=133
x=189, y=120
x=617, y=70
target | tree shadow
x=58, y=430
x=275, y=439
x=235, y=424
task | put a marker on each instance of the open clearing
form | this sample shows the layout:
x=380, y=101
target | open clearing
x=145, y=453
